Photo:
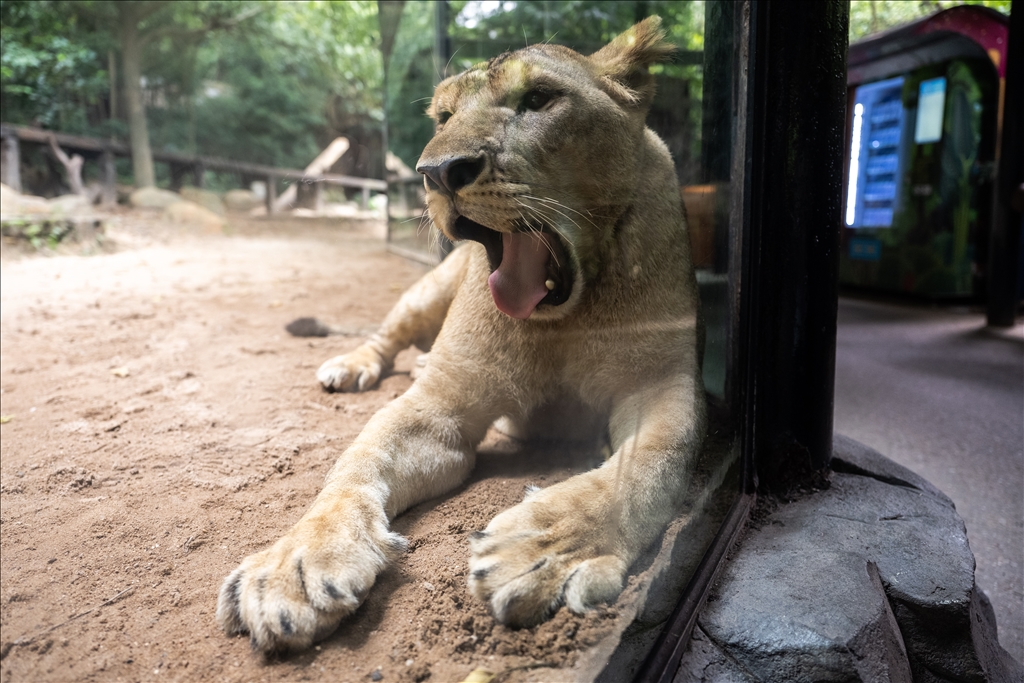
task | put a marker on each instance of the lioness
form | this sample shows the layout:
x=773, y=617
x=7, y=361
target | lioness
x=576, y=281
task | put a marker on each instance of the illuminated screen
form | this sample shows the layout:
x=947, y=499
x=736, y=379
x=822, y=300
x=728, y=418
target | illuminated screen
x=931, y=103
x=872, y=188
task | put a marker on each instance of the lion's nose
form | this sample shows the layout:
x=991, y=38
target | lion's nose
x=451, y=175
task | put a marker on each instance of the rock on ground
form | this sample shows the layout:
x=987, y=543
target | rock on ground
x=204, y=198
x=153, y=198
x=69, y=204
x=870, y=580
x=13, y=203
x=241, y=201
x=190, y=213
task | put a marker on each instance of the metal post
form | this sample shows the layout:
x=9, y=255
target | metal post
x=1008, y=219
x=177, y=176
x=442, y=43
x=12, y=161
x=109, y=196
x=318, y=196
x=271, y=194
x=199, y=175
x=799, y=116
x=365, y=199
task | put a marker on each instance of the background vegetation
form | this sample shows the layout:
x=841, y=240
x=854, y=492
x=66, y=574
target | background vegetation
x=274, y=82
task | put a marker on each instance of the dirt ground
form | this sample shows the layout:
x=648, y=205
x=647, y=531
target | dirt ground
x=163, y=425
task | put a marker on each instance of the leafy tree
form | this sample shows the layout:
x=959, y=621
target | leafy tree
x=873, y=16
x=51, y=67
x=411, y=80
x=256, y=81
x=140, y=23
x=479, y=29
x=274, y=90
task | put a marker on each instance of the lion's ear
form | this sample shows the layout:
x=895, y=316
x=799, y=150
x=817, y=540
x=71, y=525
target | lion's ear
x=622, y=64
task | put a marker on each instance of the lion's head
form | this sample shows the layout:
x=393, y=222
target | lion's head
x=536, y=155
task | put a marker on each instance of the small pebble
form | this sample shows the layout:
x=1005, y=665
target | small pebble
x=376, y=675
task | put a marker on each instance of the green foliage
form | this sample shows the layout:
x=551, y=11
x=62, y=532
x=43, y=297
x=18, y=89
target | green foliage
x=481, y=30
x=40, y=233
x=273, y=82
x=273, y=90
x=50, y=66
x=263, y=82
x=411, y=79
x=868, y=17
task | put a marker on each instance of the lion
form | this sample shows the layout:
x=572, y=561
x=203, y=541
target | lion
x=574, y=279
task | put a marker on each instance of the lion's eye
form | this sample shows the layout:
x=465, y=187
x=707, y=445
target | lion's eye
x=443, y=116
x=536, y=99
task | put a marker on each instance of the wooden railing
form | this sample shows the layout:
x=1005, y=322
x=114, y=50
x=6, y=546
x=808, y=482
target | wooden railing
x=105, y=152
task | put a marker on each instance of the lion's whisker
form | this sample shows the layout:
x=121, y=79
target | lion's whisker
x=547, y=200
x=537, y=231
x=544, y=221
x=552, y=223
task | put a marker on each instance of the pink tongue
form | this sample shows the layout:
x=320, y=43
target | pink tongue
x=518, y=284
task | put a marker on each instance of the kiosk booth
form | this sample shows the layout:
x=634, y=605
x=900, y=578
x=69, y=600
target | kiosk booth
x=923, y=119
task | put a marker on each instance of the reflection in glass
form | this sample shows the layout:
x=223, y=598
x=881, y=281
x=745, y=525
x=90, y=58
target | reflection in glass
x=694, y=112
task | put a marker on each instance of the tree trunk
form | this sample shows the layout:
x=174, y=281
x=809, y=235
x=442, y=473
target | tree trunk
x=131, y=60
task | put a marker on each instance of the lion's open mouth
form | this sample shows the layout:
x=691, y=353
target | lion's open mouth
x=528, y=268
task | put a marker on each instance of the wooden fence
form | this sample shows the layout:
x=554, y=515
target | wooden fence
x=181, y=165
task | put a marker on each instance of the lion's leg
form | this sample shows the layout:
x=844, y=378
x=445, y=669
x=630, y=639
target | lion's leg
x=573, y=542
x=415, y=319
x=419, y=446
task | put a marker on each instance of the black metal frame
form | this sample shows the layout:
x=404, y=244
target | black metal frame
x=1008, y=206
x=798, y=117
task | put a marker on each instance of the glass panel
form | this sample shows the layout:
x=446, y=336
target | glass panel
x=697, y=111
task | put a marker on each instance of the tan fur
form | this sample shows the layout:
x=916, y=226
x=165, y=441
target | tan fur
x=626, y=344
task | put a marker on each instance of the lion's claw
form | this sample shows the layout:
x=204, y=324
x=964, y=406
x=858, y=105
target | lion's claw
x=525, y=572
x=289, y=596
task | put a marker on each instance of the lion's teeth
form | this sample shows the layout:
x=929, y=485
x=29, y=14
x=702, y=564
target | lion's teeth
x=550, y=284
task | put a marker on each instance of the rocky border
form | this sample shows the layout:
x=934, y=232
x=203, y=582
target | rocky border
x=871, y=579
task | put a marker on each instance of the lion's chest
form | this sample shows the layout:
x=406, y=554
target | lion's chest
x=616, y=342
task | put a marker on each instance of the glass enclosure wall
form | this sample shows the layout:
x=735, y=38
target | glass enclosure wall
x=696, y=111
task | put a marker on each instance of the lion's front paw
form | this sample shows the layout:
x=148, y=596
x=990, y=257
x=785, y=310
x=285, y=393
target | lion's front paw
x=537, y=556
x=355, y=371
x=297, y=591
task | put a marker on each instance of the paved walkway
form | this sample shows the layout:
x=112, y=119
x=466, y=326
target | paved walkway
x=937, y=392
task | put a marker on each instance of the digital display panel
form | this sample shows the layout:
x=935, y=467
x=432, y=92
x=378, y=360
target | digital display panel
x=873, y=184
x=931, y=103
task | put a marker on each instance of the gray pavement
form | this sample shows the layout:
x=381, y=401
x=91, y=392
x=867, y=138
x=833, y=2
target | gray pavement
x=937, y=392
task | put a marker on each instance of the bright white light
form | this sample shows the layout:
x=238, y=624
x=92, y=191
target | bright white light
x=475, y=10
x=851, y=190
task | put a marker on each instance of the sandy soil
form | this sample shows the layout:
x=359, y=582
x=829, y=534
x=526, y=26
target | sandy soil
x=163, y=425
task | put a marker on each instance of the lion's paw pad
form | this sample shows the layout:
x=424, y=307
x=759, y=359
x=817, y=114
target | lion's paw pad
x=288, y=597
x=355, y=371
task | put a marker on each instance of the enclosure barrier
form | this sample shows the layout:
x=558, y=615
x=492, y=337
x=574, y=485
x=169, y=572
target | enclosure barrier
x=105, y=152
